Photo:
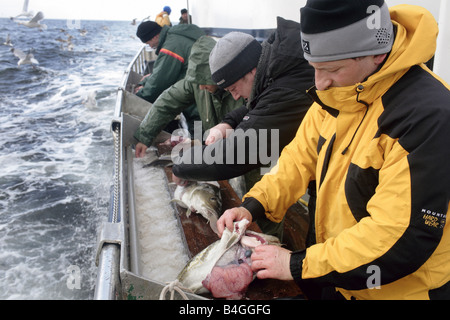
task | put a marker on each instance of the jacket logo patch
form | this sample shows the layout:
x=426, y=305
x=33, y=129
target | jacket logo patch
x=305, y=45
x=434, y=219
x=246, y=118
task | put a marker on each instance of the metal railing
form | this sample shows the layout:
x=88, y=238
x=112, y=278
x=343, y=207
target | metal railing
x=111, y=235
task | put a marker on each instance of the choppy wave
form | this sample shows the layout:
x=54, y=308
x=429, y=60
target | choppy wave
x=56, y=153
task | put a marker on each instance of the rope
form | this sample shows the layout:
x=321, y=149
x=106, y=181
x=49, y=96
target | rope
x=116, y=135
x=172, y=287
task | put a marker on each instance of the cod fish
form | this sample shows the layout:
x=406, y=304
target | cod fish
x=224, y=267
x=201, y=197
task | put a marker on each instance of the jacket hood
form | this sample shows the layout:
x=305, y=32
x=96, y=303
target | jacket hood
x=189, y=31
x=281, y=54
x=414, y=44
x=285, y=48
x=198, y=67
x=415, y=39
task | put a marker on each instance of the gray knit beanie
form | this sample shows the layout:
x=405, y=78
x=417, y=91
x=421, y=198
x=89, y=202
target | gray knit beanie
x=233, y=56
x=341, y=29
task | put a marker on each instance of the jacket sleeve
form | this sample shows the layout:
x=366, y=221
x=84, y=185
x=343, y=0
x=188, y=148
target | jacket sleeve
x=289, y=179
x=234, y=117
x=166, y=72
x=405, y=222
x=395, y=244
x=169, y=104
x=255, y=143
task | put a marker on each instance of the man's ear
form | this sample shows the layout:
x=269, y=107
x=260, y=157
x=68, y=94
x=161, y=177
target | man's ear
x=379, y=58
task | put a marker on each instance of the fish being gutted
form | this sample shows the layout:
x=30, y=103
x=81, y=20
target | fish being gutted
x=201, y=197
x=224, y=267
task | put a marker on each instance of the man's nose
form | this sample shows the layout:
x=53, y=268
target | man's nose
x=236, y=96
x=322, y=82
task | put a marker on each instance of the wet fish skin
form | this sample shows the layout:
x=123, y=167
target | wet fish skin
x=201, y=197
x=230, y=253
x=198, y=268
x=232, y=273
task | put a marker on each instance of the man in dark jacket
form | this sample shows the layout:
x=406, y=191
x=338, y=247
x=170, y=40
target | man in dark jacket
x=173, y=47
x=274, y=78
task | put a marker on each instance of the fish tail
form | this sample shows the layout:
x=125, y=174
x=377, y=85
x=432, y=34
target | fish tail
x=213, y=223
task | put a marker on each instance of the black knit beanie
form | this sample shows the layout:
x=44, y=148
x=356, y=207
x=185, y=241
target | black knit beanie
x=342, y=29
x=147, y=30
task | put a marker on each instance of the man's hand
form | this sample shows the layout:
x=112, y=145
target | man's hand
x=137, y=89
x=179, y=181
x=140, y=150
x=230, y=216
x=272, y=262
x=217, y=133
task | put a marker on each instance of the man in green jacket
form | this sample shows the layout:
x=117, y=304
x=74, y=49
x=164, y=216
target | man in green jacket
x=173, y=47
x=197, y=88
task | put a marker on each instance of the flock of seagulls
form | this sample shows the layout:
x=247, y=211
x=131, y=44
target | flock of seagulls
x=30, y=20
x=34, y=22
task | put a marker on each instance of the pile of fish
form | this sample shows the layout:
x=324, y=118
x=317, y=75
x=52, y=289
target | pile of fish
x=224, y=267
x=201, y=197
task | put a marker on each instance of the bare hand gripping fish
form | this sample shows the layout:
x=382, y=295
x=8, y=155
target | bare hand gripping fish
x=224, y=267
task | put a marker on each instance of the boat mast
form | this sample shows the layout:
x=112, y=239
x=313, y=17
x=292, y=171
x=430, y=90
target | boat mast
x=189, y=12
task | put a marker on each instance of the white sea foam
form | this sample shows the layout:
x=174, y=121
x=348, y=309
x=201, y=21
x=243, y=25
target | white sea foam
x=56, y=157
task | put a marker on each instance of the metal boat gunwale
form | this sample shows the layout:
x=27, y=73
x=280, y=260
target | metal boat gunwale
x=119, y=270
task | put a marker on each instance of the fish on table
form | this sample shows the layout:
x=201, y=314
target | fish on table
x=201, y=197
x=224, y=267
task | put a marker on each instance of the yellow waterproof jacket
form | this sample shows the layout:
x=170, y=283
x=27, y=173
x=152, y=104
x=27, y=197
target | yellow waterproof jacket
x=379, y=153
x=163, y=19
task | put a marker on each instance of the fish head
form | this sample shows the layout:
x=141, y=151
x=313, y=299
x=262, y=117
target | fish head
x=210, y=198
x=251, y=239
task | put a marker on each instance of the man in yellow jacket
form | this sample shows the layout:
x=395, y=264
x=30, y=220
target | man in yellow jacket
x=163, y=18
x=376, y=143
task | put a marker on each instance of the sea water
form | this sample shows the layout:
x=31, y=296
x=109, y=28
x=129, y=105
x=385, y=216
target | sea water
x=56, y=153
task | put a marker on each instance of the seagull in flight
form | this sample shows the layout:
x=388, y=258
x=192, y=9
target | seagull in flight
x=8, y=41
x=35, y=21
x=69, y=42
x=24, y=58
x=90, y=101
x=25, y=12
